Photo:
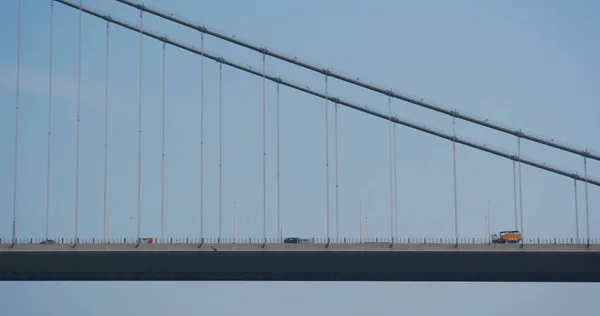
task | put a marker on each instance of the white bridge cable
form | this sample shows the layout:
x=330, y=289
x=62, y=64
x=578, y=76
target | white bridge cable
x=327, y=153
x=16, y=152
x=364, y=109
x=264, y=149
x=576, y=212
x=49, y=122
x=514, y=164
x=395, y=186
x=455, y=186
x=162, y=166
x=78, y=128
x=337, y=197
x=139, y=175
x=363, y=83
x=278, y=173
x=587, y=208
x=520, y=186
x=220, y=151
x=201, y=139
x=106, y=132
x=391, y=173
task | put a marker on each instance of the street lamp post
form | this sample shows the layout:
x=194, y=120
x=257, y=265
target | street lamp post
x=131, y=228
x=234, y=239
x=360, y=219
x=108, y=221
x=249, y=240
x=367, y=228
x=488, y=225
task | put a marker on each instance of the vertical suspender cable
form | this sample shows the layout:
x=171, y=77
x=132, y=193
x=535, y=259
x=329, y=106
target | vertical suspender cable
x=337, y=200
x=16, y=164
x=576, y=213
x=455, y=189
x=391, y=173
x=234, y=236
x=515, y=193
x=108, y=219
x=587, y=210
x=139, y=189
x=162, y=169
x=520, y=189
x=49, y=122
x=220, y=151
x=395, y=186
x=278, y=173
x=202, y=137
x=106, y=130
x=78, y=122
x=264, y=154
x=327, y=153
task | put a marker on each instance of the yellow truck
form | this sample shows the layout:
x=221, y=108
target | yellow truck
x=511, y=237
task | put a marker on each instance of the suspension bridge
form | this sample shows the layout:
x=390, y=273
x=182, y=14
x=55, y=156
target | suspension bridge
x=211, y=253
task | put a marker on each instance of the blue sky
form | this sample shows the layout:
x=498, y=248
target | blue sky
x=530, y=65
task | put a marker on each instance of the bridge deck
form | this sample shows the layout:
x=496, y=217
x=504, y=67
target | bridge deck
x=365, y=247
x=302, y=262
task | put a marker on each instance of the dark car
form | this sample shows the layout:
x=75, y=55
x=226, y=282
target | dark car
x=296, y=240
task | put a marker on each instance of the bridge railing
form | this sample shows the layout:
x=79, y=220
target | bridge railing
x=275, y=240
